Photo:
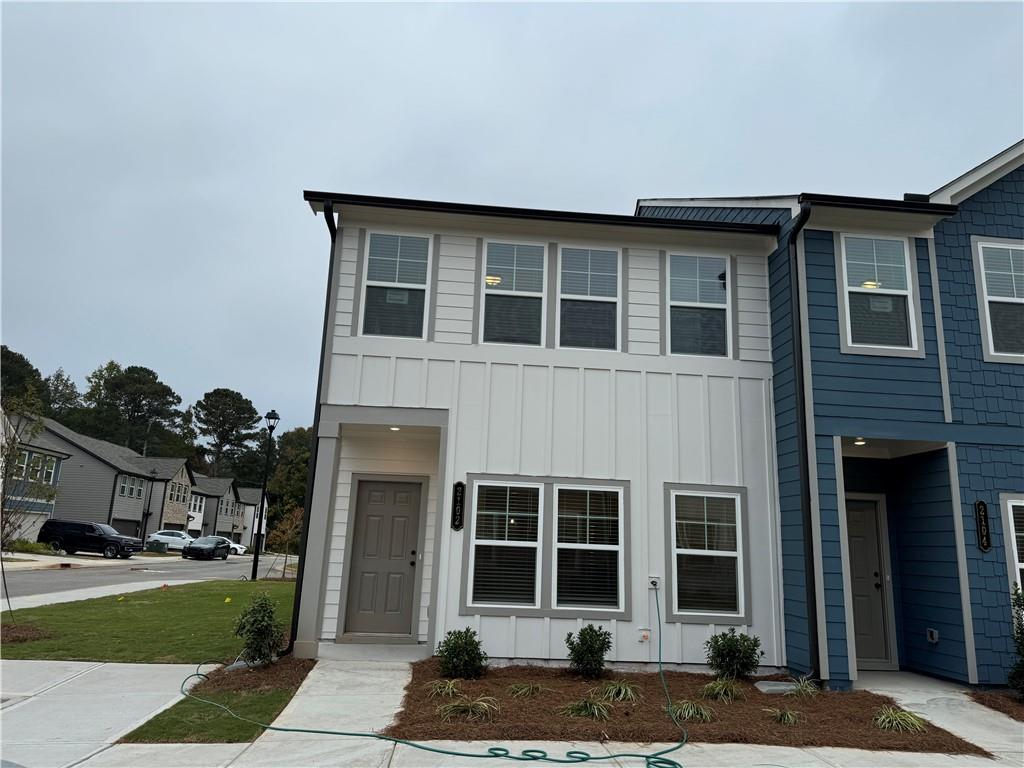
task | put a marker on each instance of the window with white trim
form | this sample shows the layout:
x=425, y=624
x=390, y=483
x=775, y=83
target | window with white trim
x=878, y=292
x=21, y=466
x=589, y=298
x=49, y=469
x=506, y=545
x=1017, y=539
x=588, y=559
x=707, y=546
x=35, y=468
x=123, y=489
x=395, y=291
x=513, y=293
x=699, y=306
x=1002, y=269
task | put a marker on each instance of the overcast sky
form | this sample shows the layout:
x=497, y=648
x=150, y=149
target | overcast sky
x=154, y=157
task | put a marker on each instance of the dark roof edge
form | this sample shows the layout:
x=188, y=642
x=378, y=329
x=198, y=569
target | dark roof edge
x=878, y=204
x=622, y=220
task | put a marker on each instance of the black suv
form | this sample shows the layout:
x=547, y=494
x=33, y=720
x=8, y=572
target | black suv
x=77, y=536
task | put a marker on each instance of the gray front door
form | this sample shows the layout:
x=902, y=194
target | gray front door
x=868, y=584
x=382, y=573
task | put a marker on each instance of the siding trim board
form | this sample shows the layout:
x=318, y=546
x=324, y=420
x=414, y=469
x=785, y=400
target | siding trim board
x=844, y=544
x=940, y=334
x=961, y=564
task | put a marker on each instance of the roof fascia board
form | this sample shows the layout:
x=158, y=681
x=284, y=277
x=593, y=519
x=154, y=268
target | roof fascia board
x=777, y=201
x=966, y=184
x=879, y=204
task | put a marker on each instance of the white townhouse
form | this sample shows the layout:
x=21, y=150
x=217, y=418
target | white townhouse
x=524, y=416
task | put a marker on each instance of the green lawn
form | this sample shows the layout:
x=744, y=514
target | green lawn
x=185, y=624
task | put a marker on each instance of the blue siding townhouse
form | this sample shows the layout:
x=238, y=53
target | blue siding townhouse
x=898, y=352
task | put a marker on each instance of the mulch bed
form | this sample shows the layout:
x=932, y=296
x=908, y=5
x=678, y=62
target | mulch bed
x=289, y=672
x=24, y=633
x=829, y=719
x=1006, y=702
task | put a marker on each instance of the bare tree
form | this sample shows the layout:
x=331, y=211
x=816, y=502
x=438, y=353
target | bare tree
x=26, y=481
x=285, y=535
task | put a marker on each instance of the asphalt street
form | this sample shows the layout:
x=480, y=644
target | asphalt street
x=21, y=583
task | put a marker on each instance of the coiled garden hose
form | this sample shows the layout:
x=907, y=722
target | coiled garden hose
x=652, y=760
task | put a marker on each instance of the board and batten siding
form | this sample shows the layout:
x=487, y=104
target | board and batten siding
x=456, y=270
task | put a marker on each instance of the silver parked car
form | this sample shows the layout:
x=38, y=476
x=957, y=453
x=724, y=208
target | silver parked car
x=175, y=540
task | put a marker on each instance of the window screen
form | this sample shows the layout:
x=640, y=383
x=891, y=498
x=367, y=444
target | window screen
x=588, y=548
x=878, y=298
x=1004, y=297
x=589, y=298
x=698, y=305
x=505, y=545
x=513, y=293
x=396, y=278
x=707, y=553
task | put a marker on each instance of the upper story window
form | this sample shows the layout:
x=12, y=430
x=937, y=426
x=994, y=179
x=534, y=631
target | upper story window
x=878, y=294
x=49, y=470
x=131, y=486
x=1001, y=299
x=514, y=294
x=395, y=290
x=21, y=466
x=699, y=305
x=589, y=300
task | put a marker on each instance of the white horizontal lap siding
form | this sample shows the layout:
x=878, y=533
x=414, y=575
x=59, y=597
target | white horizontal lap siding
x=456, y=283
x=345, y=275
x=753, y=323
x=643, y=295
x=364, y=452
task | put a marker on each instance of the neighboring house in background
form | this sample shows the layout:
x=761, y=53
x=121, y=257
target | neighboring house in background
x=172, y=484
x=250, y=499
x=106, y=483
x=34, y=478
x=222, y=512
x=804, y=415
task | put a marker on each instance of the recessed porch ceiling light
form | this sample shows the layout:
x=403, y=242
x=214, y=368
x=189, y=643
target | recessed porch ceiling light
x=859, y=441
x=493, y=279
x=394, y=429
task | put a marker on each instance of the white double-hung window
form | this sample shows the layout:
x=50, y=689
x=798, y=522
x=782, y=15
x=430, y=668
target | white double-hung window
x=588, y=560
x=698, y=305
x=1001, y=299
x=878, y=293
x=395, y=288
x=707, y=561
x=513, y=293
x=505, y=552
x=589, y=298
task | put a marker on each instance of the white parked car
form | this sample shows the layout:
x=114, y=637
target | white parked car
x=173, y=539
x=236, y=549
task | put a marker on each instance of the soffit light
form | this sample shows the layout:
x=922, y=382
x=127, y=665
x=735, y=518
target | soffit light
x=493, y=279
x=859, y=441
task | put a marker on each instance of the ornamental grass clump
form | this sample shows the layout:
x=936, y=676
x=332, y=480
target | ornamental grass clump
x=261, y=632
x=783, y=716
x=473, y=710
x=723, y=689
x=803, y=687
x=587, y=650
x=442, y=688
x=589, y=707
x=896, y=719
x=690, y=712
x=461, y=656
x=525, y=690
x=619, y=690
x=733, y=655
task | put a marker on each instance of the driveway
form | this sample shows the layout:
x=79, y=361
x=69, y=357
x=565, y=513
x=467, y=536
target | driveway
x=56, y=713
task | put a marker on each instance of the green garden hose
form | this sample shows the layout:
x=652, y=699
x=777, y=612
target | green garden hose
x=652, y=760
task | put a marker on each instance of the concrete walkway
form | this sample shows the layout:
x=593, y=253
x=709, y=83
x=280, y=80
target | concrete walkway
x=70, y=595
x=57, y=713
x=363, y=696
x=23, y=561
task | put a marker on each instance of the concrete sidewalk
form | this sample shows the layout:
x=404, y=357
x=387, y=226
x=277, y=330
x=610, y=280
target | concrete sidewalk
x=364, y=696
x=25, y=561
x=71, y=595
x=57, y=713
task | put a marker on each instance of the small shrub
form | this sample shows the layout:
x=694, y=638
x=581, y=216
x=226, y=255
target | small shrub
x=473, y=710
x=446, y=688
x=690, y=711
x=1016, y=677
x=803, y=687
x=620, y=690
x=461, y=655
x=723, y=689
x=896, y=719
x=784, y=716
x=29, y=547
x=525, y=690
x=733, y=655
x=587, y=651
x=260, y=630
x=589, y=707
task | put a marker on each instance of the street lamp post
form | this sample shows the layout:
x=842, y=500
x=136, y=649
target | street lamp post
x=272, y=419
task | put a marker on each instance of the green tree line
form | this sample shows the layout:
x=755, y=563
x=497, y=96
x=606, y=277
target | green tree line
x=221, y=434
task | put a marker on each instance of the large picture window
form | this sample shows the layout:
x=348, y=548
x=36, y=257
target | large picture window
x=514, y=294
x=707, y=553
x=588, y=547
x=878, y=293
x=698, y=305
x=1002, y=297
x=506, y=545
x=395, y=295
x=588, y=311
